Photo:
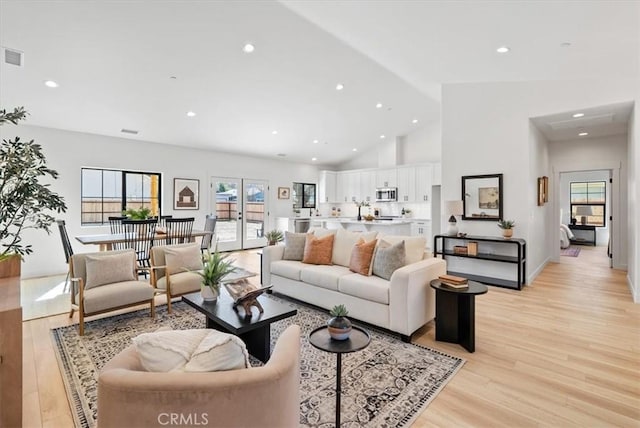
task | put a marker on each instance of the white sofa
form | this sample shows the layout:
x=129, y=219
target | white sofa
x=402, y=305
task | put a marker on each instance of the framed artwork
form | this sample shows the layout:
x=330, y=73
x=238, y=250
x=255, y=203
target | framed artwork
x=283, y=193
x=186, y=194
x=546, y=188
x=482, y=197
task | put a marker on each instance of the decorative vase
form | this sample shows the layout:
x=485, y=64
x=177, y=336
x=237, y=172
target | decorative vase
x=339, y=328
x=507, y=233
x=359, y=216
x=208, y=293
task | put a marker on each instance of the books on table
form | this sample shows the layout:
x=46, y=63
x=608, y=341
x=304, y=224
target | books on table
x=454, y=281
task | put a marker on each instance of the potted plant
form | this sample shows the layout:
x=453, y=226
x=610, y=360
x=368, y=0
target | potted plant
x=507, y=228
x=25, y=202
x=216, y=266
x=274, y=236
x=360, y=205
x=142, y=213
x=339, y=326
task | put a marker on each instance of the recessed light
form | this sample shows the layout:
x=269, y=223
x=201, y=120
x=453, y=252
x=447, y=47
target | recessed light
x=578, y=115
x=50, y=84
x=379, y=105
x=339, y=87
x=248, y=48
x=503, y=49
x=354, y=149
x=191, y=113
x=382, y=136
x=583, y=134
x=274, y=132
x=414, y=121
x=314, y=159
x=315, y=141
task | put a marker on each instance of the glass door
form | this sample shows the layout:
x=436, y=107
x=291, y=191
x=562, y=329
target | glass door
x=255, y=194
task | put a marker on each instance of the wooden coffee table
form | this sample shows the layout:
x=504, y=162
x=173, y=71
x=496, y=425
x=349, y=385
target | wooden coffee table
x=255, y=331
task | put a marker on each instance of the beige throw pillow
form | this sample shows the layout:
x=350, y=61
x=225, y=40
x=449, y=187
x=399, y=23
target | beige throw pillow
x=343, y=245
x=184, y=258
x=294, y=245
x=318, y=251
x=414, y=246
x=107, y=268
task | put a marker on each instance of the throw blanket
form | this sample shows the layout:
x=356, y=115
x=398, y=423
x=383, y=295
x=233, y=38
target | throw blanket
x=565, y=236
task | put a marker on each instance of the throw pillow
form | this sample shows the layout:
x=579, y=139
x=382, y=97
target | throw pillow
x=294, y=245
x=318, y=251
x=361, y=257
x=388, y=259
x=414, y=246
x=343, y=245
x=321, y=231
x=110, y=268
x=219, y=351
x=183, y=258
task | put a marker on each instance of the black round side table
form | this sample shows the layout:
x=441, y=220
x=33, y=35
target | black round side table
x=358, y=340
x=456, y=313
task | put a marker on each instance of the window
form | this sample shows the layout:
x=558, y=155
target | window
x=304, y=195
x=107, y=192
x=588, y=201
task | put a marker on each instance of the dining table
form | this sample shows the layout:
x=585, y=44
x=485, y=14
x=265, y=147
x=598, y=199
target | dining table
x=106, y=240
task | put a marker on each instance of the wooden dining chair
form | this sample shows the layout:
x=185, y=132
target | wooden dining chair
x=138, y=235
x=116, y=227
x=179, y=230
x=66, y=245
x=209, y=226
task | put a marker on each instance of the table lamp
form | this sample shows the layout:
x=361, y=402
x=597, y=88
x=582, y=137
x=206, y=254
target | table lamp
x=453, y=208
x=583, y=211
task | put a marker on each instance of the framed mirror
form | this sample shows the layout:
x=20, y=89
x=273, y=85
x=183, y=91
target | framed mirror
x=482, y=197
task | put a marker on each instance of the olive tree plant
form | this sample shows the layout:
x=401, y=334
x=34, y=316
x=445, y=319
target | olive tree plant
x=25, y=201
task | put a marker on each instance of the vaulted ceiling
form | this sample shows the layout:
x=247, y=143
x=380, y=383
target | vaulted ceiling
x=143, y=65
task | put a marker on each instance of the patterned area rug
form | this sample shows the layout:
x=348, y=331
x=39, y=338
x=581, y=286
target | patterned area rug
x=387, y=384
x=570, y=251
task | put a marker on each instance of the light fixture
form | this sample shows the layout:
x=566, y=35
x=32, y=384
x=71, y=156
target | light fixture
x=578, y=115
x=274, y=132
x=191, y=113
x=454, y=208
x=583, y=134
x=354, y=150
x=315, y=141
x=414, y=121
x=248, y=48
x=379, y=105
x=314, y=159
x=583, y=211
x=383, y=136
x=503, y=49
x=339, y=87
x=50, y=84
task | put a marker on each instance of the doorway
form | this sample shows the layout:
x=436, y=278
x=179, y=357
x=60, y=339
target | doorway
x=240, y=206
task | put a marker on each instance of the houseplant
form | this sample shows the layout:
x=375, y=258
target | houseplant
x=339, y=326
x=507, y=228
x=274, y=236
x=142, y=213
x=360, y=205
x=25, y=202
x=216, y=267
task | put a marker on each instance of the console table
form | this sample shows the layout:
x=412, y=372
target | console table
x=513, y=251
x=582, y=241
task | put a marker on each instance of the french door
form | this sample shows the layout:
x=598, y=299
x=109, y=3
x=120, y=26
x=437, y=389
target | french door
x=240, y=205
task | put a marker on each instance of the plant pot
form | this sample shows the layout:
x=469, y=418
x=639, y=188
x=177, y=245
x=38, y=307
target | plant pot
x=10, y=266
x=208, y=293
x=339, y=328
x=507, y=233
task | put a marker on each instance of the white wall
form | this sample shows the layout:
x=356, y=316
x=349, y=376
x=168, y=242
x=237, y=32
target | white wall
x=68, y=151
x=538, y=255
x=633, y=147
x=485, y=130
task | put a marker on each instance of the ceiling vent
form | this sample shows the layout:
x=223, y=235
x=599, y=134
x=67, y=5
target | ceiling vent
x=583, y=122
x=129, y=131
x=13, y=57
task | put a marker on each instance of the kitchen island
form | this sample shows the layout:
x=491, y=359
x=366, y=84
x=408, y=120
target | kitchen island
x=384, y=227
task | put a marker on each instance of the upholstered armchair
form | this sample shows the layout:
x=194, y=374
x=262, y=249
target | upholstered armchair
x=266, y=396
x=174, y=270
x=106, y=281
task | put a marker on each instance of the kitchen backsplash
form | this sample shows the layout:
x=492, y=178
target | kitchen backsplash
x=422, y=211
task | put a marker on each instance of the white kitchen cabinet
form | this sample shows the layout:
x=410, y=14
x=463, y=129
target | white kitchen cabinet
x=437, y=175
x=406, y=184
x=387, y=177
x=327, y=187
x=353, y=187
x=422, y=228
x=424, y=176
x=368, y=186
x=341, y=187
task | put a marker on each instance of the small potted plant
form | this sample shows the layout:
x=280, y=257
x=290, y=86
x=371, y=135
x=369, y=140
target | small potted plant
x=274, y=236
x=360, y=205
x=142, y=213
x=507, y=228
x=216, y=266
x=339, y=326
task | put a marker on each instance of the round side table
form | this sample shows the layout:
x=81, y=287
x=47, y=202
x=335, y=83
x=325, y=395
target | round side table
x=358, y=340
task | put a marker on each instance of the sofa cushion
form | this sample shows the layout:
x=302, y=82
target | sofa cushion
x=414, y=246
x=321, y=231
x=362, y=257
x=294, y=245
x=183, y=258
x=318, y=251
x=110, y=268
x=324, y=276
x=343, y=245
x=287, y=268
x=371, y=288
x=388, y=259
x=113, y=295
x=181, y=283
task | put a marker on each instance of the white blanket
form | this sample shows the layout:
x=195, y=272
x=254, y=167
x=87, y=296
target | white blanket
x=565, y=236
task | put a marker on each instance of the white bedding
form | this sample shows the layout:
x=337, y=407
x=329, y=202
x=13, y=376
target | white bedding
x=565, y=236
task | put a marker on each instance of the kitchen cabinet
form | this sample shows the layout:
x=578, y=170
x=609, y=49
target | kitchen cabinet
x=353, y=187
x=386, y=177
x=437, y=175
x=423, y=183
x=406, y=177
x=327, y=187
x=341, y=187
x=421, y=228
x=368, y=186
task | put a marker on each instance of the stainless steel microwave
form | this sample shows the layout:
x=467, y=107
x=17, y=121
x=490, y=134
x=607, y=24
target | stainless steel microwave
x=386, y=194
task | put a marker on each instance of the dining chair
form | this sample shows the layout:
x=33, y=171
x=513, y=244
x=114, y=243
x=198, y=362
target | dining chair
x=162, y=221
x=179, y=230
x=115, y=224
x=68, y=250
x=138, y=235
x=209, y=226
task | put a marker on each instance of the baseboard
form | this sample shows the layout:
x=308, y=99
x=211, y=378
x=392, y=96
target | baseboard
x=536, y=272
x=634, y=292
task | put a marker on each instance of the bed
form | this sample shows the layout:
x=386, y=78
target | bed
x=565, y=236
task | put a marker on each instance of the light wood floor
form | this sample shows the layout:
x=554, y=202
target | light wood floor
x=563, y=352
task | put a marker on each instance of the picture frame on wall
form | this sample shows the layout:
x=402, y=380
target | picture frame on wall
x=541, y=196
x=284, y=193
x=482, y=197
x=186, y=194
x=546, y=188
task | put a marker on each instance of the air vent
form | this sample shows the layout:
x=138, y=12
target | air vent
x=13, y=57
x=129, y=131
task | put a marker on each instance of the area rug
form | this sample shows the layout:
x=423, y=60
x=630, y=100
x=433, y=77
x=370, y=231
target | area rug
x=387, y=384
x=570, y=251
